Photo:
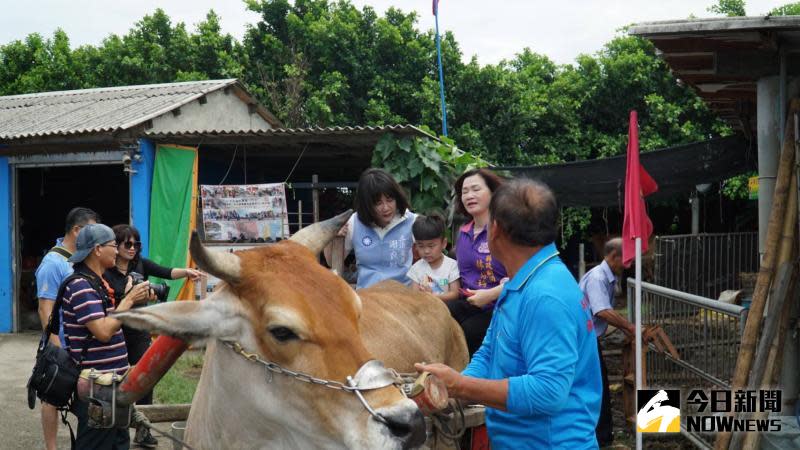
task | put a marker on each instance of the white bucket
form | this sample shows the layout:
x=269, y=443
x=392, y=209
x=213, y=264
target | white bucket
x=177, y=432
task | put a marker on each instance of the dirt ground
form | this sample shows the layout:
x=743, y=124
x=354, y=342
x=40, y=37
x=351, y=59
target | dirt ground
x=20, y=426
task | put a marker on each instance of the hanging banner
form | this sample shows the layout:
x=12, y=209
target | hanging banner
x=244, y=212
x=172, y=214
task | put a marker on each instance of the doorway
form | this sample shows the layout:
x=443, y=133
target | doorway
x=44, y=196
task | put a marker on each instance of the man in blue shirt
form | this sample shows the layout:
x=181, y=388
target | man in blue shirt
x=538, y=370
x=54, y=269
x=598, y=287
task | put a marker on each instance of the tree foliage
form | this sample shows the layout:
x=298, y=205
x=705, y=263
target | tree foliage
x=790, y=9
x=730, y=8
x=426, y=168
x=327, y=63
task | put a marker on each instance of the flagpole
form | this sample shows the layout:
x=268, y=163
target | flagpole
x=638, y=325
x=441, y=74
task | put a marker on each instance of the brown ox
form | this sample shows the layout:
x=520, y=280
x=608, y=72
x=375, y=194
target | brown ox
x=278, y=302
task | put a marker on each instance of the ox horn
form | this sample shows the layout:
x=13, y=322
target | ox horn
x=223, y=265
x=316, y=236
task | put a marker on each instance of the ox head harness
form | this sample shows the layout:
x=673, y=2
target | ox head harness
x=370, y=376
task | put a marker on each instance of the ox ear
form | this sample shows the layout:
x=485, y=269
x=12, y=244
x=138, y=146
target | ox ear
x=192, y=321
x=316, y=236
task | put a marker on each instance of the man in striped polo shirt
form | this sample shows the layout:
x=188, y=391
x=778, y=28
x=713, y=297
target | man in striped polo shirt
x=94, y=339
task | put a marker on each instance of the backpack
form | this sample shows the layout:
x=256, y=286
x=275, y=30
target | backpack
x=55, y=373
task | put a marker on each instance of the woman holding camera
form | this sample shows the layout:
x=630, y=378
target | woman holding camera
x=130, y=264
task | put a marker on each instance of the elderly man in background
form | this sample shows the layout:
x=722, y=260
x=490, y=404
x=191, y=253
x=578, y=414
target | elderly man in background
x=598, y=286
x=537, y=371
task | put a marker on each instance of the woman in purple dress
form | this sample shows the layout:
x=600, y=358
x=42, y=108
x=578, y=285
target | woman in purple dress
x=482, y=276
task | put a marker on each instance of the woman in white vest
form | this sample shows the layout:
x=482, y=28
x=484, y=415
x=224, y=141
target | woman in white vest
x=380, y=230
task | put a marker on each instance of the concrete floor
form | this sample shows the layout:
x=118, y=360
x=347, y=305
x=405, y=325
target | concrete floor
x=20, y=427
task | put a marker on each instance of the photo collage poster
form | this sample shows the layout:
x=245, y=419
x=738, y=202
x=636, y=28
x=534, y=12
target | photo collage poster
x=244, y=212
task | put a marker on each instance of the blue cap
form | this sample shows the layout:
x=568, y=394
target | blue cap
x=90, y=236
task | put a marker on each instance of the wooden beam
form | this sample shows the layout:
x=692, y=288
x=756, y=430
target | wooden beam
x=165, y=413
x=691, y=61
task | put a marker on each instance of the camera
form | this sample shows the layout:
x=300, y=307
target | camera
x=161, y=290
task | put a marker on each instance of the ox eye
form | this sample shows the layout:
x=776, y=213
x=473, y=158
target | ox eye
x=283, y=334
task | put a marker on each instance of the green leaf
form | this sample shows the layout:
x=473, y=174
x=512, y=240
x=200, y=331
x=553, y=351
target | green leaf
x=415, y=167
x=405, y=144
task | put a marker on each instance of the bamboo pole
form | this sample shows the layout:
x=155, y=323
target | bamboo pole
x=772, y=366
x=780, y=288
x=772, y=370
x=776, y=218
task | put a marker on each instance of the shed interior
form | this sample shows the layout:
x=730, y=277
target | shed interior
x=44, y=197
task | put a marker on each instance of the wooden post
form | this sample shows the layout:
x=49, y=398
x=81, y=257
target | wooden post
x=315, y=196
x=752, y=327
x=202, y=286
x=765, y=363
x=299, y=215
x=165, y=413
x=778, y=318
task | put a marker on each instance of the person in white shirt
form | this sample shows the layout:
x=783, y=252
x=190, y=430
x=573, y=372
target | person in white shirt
x=433, y=272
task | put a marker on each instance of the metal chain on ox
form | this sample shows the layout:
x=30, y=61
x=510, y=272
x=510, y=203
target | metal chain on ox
x=355, y=384
x=276, y=368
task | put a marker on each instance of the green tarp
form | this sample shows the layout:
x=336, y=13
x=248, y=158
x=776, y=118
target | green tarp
x=172, y=209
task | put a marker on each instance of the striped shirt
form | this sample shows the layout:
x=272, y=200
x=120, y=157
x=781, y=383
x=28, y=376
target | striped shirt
x=83, y=304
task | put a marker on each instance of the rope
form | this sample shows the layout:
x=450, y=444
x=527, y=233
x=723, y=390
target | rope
x=440, y=423
x=166, y=435
x=295, y=164
x=230, y=166
x=441, y=420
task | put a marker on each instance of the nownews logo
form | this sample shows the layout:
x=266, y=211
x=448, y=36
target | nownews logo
x=721, y=411
x=740, y=401
x=659, y=411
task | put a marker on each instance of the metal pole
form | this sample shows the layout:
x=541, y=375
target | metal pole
x=695, y=201
x=315, y=197
x=581, y=261
x=441, y=74
x=768, y=126
x=782, y=94
x=638, y=324
x=299, y=215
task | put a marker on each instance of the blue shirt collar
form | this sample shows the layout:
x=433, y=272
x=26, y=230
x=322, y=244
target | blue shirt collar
x=545, y=253
x=607, y=272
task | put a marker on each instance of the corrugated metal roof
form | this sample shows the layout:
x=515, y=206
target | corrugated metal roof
x=96, y=110
x=310, y=131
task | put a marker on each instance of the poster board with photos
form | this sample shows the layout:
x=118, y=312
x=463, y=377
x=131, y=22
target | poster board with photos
x=244, y=212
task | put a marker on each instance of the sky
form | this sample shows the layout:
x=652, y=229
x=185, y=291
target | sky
x=492, y=31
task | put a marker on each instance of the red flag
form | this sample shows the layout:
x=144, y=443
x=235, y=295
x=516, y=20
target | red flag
x=638, y=184
x=435, y=7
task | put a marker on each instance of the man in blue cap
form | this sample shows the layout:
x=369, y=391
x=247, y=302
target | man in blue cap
x=93, y=339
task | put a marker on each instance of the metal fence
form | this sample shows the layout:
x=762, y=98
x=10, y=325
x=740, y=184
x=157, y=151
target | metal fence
x=704, y=264
x=706, y=334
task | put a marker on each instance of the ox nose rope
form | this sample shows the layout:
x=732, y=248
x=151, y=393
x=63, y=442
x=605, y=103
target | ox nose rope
x=372, y=375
